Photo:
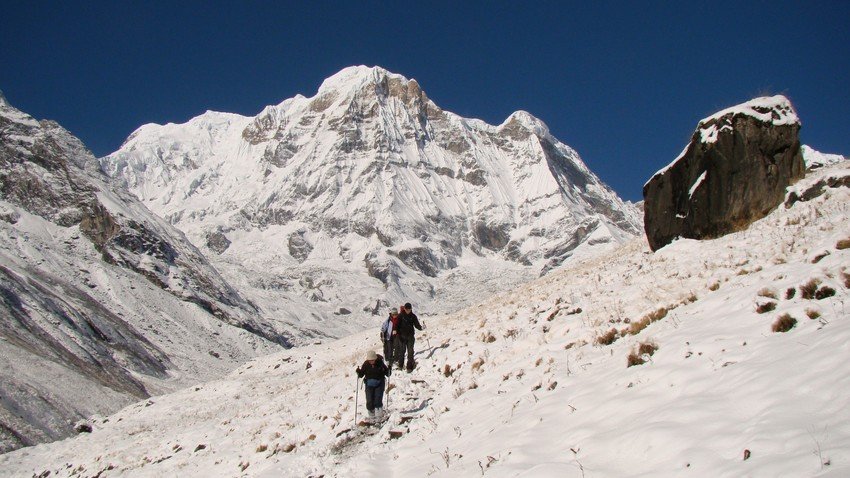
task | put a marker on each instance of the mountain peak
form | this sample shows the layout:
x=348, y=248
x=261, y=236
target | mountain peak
x=527, y=121
x=355, y=77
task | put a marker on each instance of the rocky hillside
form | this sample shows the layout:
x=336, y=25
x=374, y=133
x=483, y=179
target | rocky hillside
x=325, y=209
x=102, y=303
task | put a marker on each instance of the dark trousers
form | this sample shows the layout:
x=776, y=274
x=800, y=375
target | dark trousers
x=389, y=345
x=375, y=397
x=405, y=346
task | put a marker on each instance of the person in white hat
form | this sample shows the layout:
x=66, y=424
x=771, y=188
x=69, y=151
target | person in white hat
x=373, y=371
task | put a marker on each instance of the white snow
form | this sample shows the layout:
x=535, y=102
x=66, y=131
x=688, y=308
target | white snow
x=697, y=184
x=517, y=385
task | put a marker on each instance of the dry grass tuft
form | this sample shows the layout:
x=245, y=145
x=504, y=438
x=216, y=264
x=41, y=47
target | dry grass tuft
x=641, y=354
x=843, y=244
x=477, y=364
x=767, y=292
x=448, y=370
x=824, y=292
x=813, y=314
x=808, y=290
x=784, y=323
x=608, y=338
x=765, y=307
x=714, y=286
x=262, y=448
x=790, y=293
x=846, y=277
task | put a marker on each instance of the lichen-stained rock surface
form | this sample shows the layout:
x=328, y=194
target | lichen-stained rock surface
x=734, y=171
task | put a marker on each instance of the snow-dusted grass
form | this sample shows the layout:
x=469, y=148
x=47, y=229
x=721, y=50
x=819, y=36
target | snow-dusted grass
x=519, y=386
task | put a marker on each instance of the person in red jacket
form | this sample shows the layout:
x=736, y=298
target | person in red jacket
x=389, y=335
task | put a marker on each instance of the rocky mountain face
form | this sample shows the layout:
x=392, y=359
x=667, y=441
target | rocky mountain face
x=368, y=194
x=101, y=302
x=735, y=170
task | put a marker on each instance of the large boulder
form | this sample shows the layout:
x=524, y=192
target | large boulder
x=733, y=172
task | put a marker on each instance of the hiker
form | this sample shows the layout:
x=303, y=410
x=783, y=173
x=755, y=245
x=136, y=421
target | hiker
x=374, y=370
x=389, y=335
x=407, y=320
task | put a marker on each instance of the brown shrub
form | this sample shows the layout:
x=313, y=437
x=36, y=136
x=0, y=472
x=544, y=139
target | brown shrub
x=843, y=244
x=634, y=359
x=262, y=448
x=765, y=307
x=812, y=314
x=644, y=349
x=608, y=338
x=647, y=348
x=784, y=323
x=766, y=292
x=846, y=277
x=824, y=292
x=790, y=293
x=808, y=290
x=638, y=325
x=448, y=370
x=714, y=286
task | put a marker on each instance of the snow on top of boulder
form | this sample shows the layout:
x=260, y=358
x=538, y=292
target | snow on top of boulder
x=776, y=110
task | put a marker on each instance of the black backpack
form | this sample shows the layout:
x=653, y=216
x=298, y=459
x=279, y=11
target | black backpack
x=405, y=325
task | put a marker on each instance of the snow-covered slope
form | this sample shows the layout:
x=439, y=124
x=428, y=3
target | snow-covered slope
x=525, y=385
x=101, y=302
x=323, y=209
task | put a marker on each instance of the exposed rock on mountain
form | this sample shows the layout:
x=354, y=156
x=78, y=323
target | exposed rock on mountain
x=372, y=180
x=734, y=171
x=101, y=302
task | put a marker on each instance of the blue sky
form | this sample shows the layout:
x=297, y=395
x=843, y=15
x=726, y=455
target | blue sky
x=624, y=83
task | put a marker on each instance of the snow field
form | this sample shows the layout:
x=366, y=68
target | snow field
x=519, y=386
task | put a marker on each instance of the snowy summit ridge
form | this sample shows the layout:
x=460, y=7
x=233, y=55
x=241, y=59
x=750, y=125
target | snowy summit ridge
x=372, y=180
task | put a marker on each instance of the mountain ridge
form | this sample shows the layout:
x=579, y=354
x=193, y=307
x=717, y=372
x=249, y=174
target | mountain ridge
x=370, y=171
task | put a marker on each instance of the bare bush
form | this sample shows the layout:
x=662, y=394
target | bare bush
x=784, y=323
x=790, y=293
x=262, y=448
x=608, y=338
x=813, y=314
x=640, y=355
x=824, y=292
x=714, y=286
x=765, y=307
x=808, y=290
x=767, y=292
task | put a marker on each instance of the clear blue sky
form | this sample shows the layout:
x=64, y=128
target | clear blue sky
x=624, y=83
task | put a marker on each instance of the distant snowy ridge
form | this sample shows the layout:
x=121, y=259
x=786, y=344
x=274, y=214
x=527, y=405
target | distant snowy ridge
x=368, y=194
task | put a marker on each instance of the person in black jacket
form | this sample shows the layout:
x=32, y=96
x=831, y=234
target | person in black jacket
x=373, y=371
x=407, y=321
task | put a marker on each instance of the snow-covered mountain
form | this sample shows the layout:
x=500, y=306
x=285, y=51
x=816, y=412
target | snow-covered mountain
x=674, y=363
x=102, y=302
x=322, y=210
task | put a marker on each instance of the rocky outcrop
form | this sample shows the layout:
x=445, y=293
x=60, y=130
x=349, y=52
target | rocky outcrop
x=734, y=171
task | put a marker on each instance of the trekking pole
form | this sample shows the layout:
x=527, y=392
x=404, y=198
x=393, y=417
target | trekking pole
x=356, y=394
